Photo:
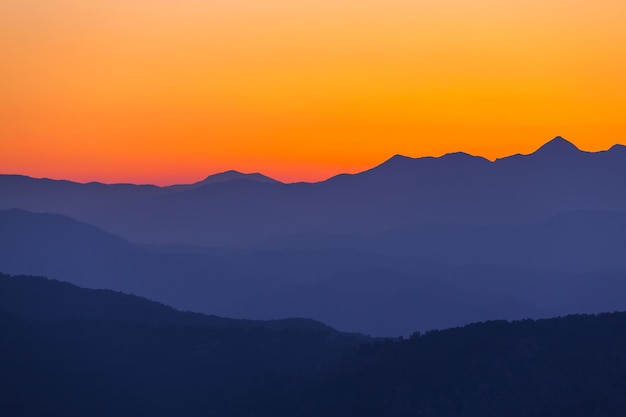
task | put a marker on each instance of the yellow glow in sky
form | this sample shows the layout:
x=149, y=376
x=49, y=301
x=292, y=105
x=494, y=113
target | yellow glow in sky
x=166, y=91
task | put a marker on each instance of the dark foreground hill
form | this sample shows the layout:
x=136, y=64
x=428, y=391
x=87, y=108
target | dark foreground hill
x=572, y=366
x=69, y=351
x=565, y=367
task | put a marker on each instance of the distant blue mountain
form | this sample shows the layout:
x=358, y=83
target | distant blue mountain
x=239, y=209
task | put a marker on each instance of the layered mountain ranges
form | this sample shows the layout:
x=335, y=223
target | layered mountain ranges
x=412, y=244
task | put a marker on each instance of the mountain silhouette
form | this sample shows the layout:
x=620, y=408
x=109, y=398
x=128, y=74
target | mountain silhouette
x=454, y=188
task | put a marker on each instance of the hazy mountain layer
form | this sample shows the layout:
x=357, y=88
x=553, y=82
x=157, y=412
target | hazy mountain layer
x=234, y=209
x=351, y=289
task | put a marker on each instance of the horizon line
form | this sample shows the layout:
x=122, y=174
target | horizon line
x=234, y=170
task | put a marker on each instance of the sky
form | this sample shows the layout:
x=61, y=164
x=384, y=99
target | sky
x=170, y=91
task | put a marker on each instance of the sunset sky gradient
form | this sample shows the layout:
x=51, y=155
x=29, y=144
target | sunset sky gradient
x=165, y=91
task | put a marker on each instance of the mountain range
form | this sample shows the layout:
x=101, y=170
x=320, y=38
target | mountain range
x=233, y=209
x=412, y=244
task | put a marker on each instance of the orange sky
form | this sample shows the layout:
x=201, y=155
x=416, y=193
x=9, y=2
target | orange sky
x=167, y=91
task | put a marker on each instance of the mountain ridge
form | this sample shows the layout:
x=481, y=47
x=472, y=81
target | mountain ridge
x=454, y=188
x=556, y=146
